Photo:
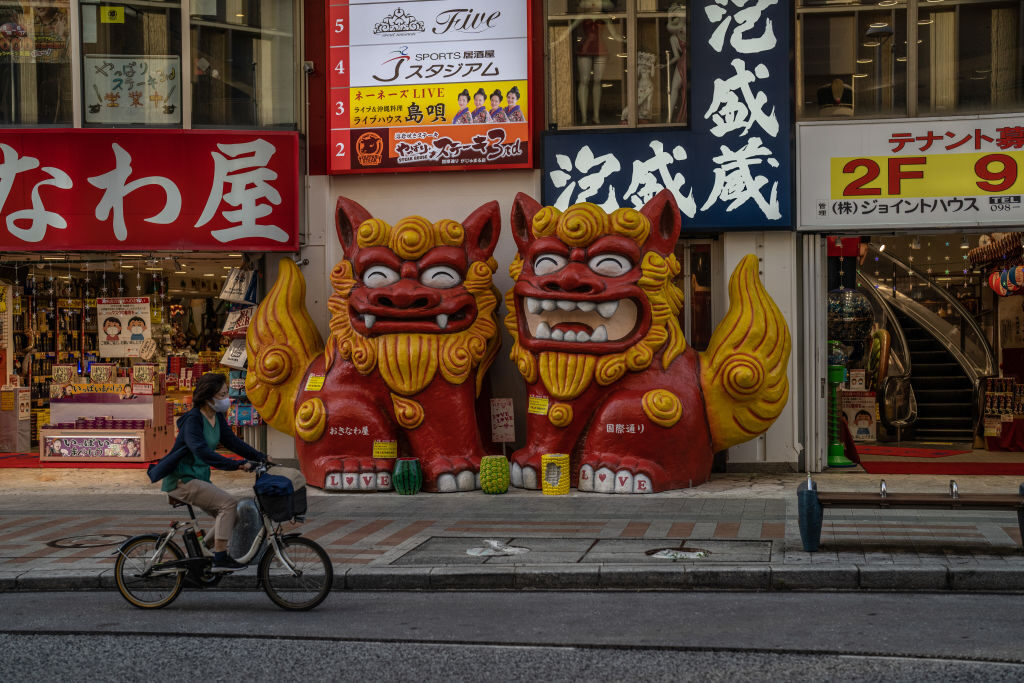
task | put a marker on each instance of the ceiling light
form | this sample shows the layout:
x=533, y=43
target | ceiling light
x=871, y=43
x=964, y=244
x=865, y=60
x=208, y=274
x=860, y=75
x=881, y=248
x=127, y=266
x=227, y=267
x=131, y=254
x=235, y=255
x=888, y=3
x=148, y=268
x=879, y=24
x=53, y=258
x=181, y=272
x=901, y=59
x=915, y=243
x=925, y=22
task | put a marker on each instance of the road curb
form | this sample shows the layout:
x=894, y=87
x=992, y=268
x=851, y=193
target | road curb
x=670, y=577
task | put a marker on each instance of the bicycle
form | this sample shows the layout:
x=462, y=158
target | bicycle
x=151, y=570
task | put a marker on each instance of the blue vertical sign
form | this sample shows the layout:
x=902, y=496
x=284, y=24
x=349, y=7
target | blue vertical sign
x=732, y=168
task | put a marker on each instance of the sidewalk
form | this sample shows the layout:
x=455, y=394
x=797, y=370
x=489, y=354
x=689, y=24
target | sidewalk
x=60, y=528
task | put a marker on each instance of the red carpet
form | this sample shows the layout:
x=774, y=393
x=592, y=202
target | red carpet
x=905, y=452
x=31, y=460
x=942, y=467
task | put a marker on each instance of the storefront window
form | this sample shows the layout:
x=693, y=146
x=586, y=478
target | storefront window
x=970, y=57
x=854, y=60
x=617, y=63
x=35, y=67
x=854, y=57
x=243, y=63
x=131, y=64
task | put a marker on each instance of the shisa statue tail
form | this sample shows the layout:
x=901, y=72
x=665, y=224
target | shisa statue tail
x=281, y=342
x=743, y=371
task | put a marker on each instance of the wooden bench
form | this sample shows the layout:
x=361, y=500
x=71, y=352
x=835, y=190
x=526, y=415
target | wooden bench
x=811, y=504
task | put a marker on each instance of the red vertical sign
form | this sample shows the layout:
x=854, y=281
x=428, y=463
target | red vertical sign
x=338, y=82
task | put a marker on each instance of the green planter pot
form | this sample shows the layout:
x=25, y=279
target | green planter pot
x=407, y=476
x=494, y=474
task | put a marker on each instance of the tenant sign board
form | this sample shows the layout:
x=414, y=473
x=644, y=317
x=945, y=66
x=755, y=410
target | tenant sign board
x=961, y=171
x=428, y=85
x=107, y=189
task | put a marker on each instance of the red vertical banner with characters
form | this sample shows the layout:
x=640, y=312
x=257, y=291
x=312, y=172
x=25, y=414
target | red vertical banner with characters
x=429, y=85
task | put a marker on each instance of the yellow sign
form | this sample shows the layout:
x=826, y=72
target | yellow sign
x=425, y=105
x=538, y=405
x=385, y=449
x=924, y=175
x=316, y=383
x=6, y=400
x=111, y=15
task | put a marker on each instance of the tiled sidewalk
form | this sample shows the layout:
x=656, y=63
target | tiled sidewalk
x=61, y=532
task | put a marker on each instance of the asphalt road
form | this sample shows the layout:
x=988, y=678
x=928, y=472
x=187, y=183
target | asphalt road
x=552, y=636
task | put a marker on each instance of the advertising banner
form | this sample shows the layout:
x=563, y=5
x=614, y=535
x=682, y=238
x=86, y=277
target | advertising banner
x=936, y=172
x=92, y=446
x=124, y=326
x=731, y=169
x=103, y=189
x=36, y=35
x=428, y=85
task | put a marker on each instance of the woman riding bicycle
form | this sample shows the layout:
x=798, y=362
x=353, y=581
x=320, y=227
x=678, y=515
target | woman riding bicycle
x=186, y=469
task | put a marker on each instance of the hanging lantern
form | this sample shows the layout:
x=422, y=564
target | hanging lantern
x=995, y=284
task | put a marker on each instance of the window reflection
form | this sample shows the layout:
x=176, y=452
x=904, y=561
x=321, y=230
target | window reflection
x=35, y=67
x=243, y=60
x=855, y=57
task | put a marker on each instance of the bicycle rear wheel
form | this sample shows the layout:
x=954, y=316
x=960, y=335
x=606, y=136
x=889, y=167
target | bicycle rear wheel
x=151, y=590
x=312, y=581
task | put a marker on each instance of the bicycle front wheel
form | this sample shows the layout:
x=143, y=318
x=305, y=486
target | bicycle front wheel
x=308, y=585
x=139, y=577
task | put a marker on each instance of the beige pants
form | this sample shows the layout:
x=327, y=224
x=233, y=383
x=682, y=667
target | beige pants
x=216, y=502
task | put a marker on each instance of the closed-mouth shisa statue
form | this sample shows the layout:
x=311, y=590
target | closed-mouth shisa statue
x=413, y=329
x=611, y=380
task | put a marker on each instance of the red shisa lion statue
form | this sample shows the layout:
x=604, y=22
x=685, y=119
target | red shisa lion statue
x=413, y=330
x=611, y=380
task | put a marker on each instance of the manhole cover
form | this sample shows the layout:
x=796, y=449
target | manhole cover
x=680, y=553
x=492, y=548
x=91, y=541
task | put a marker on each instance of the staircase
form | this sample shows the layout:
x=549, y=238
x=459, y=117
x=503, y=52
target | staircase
x=945, y=400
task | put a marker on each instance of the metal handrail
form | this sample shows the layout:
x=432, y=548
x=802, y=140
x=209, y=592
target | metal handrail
x=977, y=371
x=890, y=323
x=892, y=382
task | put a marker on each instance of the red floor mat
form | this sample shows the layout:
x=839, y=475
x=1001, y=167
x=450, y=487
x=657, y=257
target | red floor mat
x=941, y=467
x=31, y=460
x=905, y=452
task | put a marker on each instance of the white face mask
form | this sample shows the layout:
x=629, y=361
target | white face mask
x=221, y=405
x=136, y=330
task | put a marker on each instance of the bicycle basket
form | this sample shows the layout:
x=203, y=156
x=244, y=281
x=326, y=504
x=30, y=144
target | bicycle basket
x=284, y=508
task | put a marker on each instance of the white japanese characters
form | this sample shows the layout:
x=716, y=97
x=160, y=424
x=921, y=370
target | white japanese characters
x=242, y=192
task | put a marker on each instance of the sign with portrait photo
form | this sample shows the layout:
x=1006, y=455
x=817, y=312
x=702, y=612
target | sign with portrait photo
x=428, y=85
x=124, y=326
